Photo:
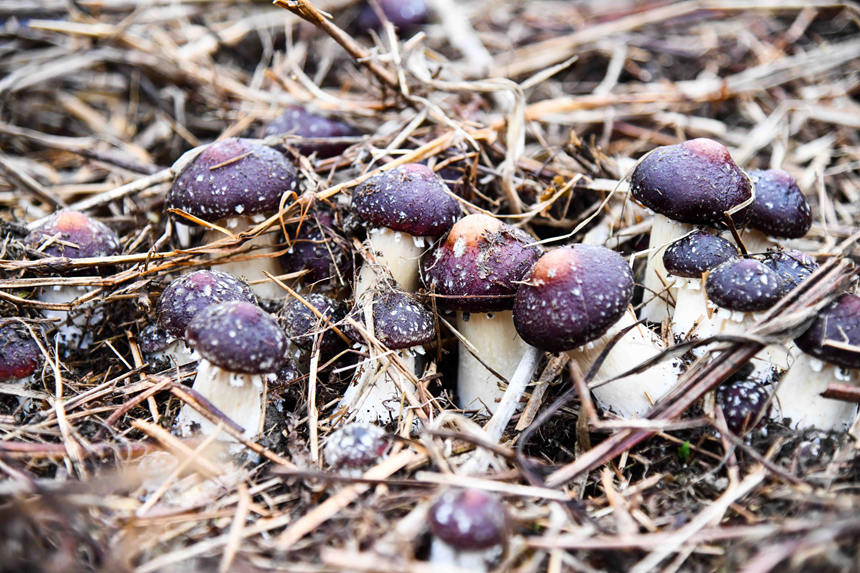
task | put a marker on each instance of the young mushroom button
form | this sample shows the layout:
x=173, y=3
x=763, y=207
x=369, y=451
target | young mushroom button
x=356, y=447
x=298, y=121
x=742, y=402
x=470, y=529
x=303, y=325
x=19, y=353
x=780, y=209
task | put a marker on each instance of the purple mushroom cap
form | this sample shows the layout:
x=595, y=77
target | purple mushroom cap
x=469, y=519
x=697, y=253
x=356, y=446
x=189, y=294
x=744, y=285
x=572, y=296
x=691, y=182
x=742, y=402
x=792, y=266
x=410, y=198
x=238, y=337
x=153, y=338
x=838, y=322
x=780, y=208
x=404, y=14
x=296, y=120
x=399, y=321
x=477, y=268
x=77, y=236
x=318, y=249
x=19, y=353
x=233, y=177
x=302, y=325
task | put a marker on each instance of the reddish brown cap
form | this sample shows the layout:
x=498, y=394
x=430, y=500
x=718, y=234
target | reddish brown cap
x=469, y=519
x=19, y=353
x=744, y=285
x=77, y=236
x=839, y=322
x=780, y=208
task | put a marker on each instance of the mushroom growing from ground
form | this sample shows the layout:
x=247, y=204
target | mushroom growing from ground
x=355, y=447
x=742, y=402
x=235, y=183
x=831, y=353
x=303, y=325
x=320, y=251
x=296, y=120
x=691, y=183
x=401, y=207
x=476, y=271
x=576, y=299
x=73, y=235
x=779, y=210
x=20, y=356
x=470, y=529
x=240, y=346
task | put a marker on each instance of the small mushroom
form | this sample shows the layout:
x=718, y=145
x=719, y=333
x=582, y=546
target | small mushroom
x=356, y=447
x=318, y=249
x=691, y=183
x=470, y=529
x=780, y=210
x=20, y=356
x=235, y=183
x=298, y=121
x=742, y=402
x=406, y=15
x=241, y=346
x=792, y=266
x=303, y=325
x=831, y=353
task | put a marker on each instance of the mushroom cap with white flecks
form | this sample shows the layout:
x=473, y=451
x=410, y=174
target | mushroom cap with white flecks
x=469, y=519
x=780, y=208
x=399, y=321
x=153, y=338
x=696, y=253
x=745, y=285
x=410, y=198
x=572, y=296
x=792, y=266
x=839, y=323
x=233, y=178
x=356, y=446
x=19, y=353
x=76, y=235
x=238, y=336
x=742, y=402
x=319, y=250
x=303, y=325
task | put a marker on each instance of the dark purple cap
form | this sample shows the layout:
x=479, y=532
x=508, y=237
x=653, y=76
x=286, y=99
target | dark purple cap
x=744, y=285
x=469, y=519
x=572, y=296
x=153, y=338
x=233, y=177
x=189, y=294
x=318, y=249
x=356, y=446
x=691, y=182
x=399, y=321
x=838, y=322
x=410, y=198
x=406, y=15
x=780, y=209
x=238, y=337
x=19, y=353
x=696, y=253
x=792, y=266
x=302, y=325
x=296, y=120
x=478, y=265
x=742, y=402
x=78, y=236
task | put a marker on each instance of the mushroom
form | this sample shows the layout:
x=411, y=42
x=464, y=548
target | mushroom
x=298, y=121
x=470, y=529
x=476, y=271
x=780, y=210
x=235, y=183
x=792, y=266
x=691, y=183
x=303, y=325
x=407, y=15
x=831, y=353
x=401, y=206
x=576, y=299
x=355, y=447
x=742, y=402
x=74, y=235
x=241, y=346
x=20, y=355
x=321, y=252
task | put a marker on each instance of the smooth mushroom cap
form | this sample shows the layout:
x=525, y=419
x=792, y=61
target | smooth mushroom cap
x=744, y=285
x=318, y=249
x=356, y=446
x=838, y=322
x=692, y=182
x=478, y=266
x=19, y=353
x=233, y=177
x=780, y=208
x=697, y=253
x=399, y=321
x=742, y=402
x=792, y=266
x=238, y=337
x=302, y=325
x=410, y=198
x=297, y=120
x=469, y=519
x=406, y=15
x=572, y=296
x=77, y=236
x=187, y=295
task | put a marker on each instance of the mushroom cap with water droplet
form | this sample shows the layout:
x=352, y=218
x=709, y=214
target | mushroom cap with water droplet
x=697, y=253
x=187, y=295
x=302, y=325
x=838, y=322
x=792, y=266
x=399, y=321
x=356, y=445
x=745, y=285
x=78, y=236
x=742, y=402
x=780, y=208
x=469, y=519
x=19, y=353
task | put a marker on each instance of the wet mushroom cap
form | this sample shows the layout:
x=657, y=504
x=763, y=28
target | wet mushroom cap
x=356, y=446
x=410, y=198
x=296, y=120
x=153, y=338
x=696, y=253
x=839, y=323
x=572, y=296
x=399, y=321
x=692, y=182
x=477, y=268
x=76, y=235
x=404, y=14
x=745, y=285
x=231, y=178
x=189, y=294
x=780, y=207
x=469, y=519
x=742, y=402
x=239, y=337
x=302, y=325
x=792, y=266
x=317, y=249
x=19, y=353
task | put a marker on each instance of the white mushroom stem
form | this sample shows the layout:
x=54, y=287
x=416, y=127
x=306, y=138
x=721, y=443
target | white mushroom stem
x=241, y=397
x=74, y=328
x=664, y=231
x=691, y=309
x=799, y=396
x=261, y=247
x=444, y=555
x=176, y=353
x=373, y=397
x=393, y=252
x=496, y=341
x=631, y=396
x=757, y=242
